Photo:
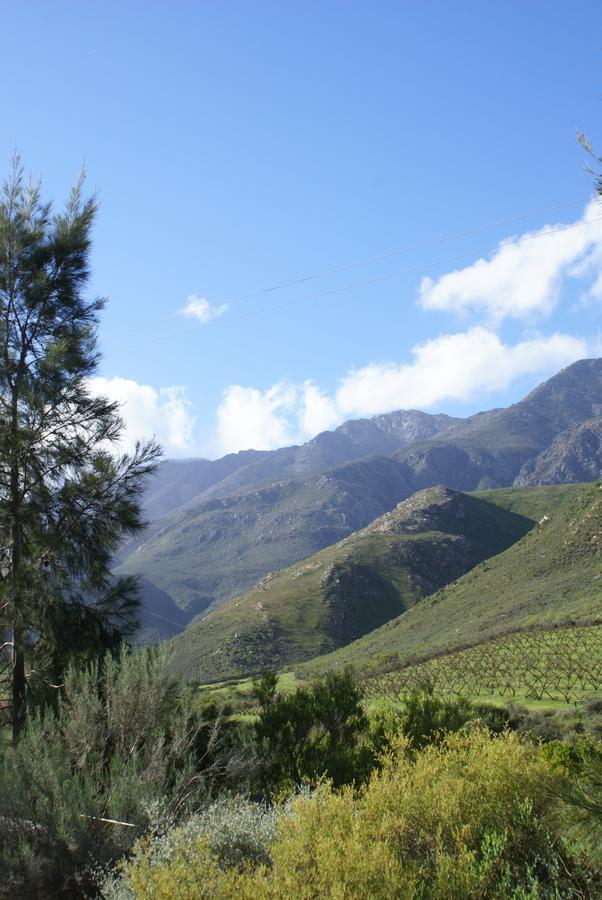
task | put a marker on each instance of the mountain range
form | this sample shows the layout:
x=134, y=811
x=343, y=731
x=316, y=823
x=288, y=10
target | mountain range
x=219, y=527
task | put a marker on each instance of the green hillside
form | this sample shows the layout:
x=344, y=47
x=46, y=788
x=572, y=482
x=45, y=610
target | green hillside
x=209, y=551
x=533, y=502
x=349, y=589
x=552, y=575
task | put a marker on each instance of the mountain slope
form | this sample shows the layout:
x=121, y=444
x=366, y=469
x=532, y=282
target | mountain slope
x=177, y=481
x=349, y=589
x=574, y=456
x=491, y=449
x=251, y=517
x=552, y=575
x=356, y=439
x=209, y=551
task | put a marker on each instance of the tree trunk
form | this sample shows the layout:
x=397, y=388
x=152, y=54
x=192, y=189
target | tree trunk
x=19, y=684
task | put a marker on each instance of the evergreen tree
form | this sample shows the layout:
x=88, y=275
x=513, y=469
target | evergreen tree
x=66, y=497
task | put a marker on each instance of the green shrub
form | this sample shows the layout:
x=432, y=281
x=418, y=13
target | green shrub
x=121, y=745
x=580, y=790
x=426, y=719
x=573, y=757
x=466, y=818
x=311, y=733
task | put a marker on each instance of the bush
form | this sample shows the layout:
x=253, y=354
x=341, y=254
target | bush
x=426, y=719
x=573, y=757
x=234, y=832
x=580, y=790
x=122, y=745
x=314, y=732
x=465, y=818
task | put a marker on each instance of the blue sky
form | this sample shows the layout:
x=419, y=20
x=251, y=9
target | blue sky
x=239, y=145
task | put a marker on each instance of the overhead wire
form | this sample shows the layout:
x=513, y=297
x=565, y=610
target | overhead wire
x=336, y=290
x=411, y=248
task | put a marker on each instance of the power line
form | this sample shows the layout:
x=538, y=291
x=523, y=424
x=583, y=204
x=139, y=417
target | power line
x=347, y=287
x=411, y=248
x=149, y=612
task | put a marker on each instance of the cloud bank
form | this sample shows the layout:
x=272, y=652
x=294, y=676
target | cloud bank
x=522, y=279
x=165, y=414
x=452, y=367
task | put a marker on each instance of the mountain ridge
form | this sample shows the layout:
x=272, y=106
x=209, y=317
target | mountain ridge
x=550, y=435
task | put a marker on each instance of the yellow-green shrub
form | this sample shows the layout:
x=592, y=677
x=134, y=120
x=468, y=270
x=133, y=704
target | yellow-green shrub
x=463, y=820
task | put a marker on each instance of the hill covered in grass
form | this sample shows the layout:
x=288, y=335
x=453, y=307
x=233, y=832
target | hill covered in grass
x=220, y=526
x=348, y=589
x=553, y=575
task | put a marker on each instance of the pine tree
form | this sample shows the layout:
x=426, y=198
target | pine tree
x=66, y=497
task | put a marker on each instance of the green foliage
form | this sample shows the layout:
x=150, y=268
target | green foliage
x=426, y=719
x=311, y=733
x=573, y=758
x=580, y=791
x=66, y=500
x=122, y=745
x=466, y=819
x=581, y=797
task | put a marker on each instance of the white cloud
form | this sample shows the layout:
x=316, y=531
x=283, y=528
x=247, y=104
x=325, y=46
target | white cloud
x=249, y=418
x=164, y=413
x=451, y=367
x=201, y=309
x=317, y=411
x=264, y=420
x=522, y=278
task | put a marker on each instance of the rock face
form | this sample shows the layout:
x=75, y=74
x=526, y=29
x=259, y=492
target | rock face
x=380, y=436
x=572, y=457
x=496, y=448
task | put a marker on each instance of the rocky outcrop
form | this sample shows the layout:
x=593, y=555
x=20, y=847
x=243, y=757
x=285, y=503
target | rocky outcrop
x=574, y=456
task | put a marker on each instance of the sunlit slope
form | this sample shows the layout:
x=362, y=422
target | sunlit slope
x=552, y=575
x=349, y=589
x=207, y=552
